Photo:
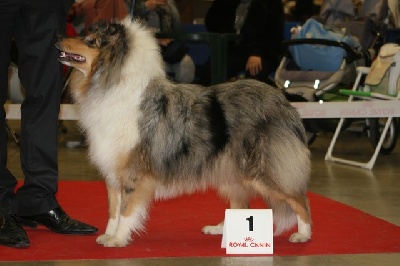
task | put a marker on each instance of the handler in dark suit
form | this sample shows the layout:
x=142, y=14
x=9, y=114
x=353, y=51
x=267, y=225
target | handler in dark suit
x=34, y=25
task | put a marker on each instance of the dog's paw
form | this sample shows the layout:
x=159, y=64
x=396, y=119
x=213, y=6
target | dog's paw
x=299, y=238
x=103, y=238
x=111, y=241
x=213, y=229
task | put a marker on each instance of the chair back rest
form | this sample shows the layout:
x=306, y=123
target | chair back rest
x=385, y=71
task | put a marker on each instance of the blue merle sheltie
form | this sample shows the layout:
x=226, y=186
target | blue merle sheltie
x=152, y=138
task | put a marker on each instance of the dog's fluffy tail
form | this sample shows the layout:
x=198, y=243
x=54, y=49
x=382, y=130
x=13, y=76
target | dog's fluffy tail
x=284, y=216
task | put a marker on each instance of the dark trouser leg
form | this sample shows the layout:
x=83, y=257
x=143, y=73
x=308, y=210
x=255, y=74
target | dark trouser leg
x=8, y=182
x=40, y=72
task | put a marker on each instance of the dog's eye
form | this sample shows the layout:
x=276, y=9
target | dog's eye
x=92, y=41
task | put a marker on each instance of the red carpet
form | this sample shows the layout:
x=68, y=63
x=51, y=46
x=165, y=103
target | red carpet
x=174, y=230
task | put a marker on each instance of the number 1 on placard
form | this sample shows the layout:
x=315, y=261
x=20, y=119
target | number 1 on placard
x=250, y=219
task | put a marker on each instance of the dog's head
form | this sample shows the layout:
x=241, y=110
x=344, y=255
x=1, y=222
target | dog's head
x=105, y=42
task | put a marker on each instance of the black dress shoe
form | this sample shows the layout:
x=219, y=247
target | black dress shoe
x=11, y=233
x=58, y=221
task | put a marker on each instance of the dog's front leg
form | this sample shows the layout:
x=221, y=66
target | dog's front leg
x=136, y=195
x=114, y=205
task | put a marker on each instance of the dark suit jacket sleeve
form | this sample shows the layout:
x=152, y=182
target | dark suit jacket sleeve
x=221, y=15
x=262, y=32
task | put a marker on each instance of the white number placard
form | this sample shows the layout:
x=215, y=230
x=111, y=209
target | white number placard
x=248, y=231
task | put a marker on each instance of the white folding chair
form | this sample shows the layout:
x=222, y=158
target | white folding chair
x=381, y=83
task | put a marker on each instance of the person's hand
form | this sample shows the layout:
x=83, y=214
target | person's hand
x=153, y=4
x=254, y=65
x=164, y=42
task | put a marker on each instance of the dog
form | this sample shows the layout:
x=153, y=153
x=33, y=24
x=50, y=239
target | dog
x=152, y=138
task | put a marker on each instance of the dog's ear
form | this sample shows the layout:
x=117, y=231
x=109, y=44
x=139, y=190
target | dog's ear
x=115, y=31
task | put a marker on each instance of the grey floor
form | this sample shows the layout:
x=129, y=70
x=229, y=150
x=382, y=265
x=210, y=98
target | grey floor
x=376, y=192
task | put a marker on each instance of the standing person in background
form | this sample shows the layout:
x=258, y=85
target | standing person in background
x=260, y=24
x=34, y=25
x=163, y=16
x=98, y=10
x=304, y=9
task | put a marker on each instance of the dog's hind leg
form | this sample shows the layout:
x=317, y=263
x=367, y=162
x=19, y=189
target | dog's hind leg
x=301, y=207
x=238, y=199
x=287, y=210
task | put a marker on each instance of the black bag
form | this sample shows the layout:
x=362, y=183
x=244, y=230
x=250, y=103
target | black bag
x=174, y=52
